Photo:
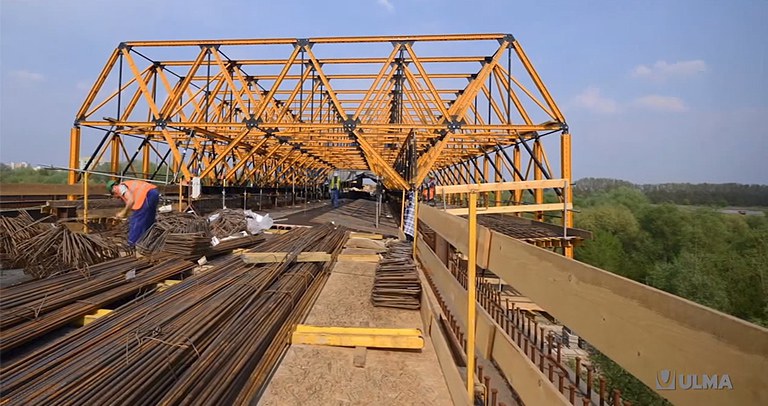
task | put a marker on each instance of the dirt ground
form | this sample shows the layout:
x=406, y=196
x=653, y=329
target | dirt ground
x=320, y=375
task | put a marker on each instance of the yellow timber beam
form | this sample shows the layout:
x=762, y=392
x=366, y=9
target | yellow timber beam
x=398, y=338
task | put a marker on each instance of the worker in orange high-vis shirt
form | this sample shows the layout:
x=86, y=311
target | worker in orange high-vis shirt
x=141, y=198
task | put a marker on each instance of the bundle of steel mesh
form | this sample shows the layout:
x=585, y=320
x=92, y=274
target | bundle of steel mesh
x=13, y=231
x=57, y=249
x=396, y=283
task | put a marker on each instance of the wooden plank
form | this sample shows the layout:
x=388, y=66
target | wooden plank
x=405, y=332
x=358, y=258
x=616, y=314
x=430, y=313
x=369, y=236
x=358, y=337
x=358, y=359
x=272, y=257
x=494, y=186
x=490, y=343
x=512, y=209
x=454, y=230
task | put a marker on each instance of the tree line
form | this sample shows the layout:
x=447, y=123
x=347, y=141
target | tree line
x=701, y=194
x=715, y=259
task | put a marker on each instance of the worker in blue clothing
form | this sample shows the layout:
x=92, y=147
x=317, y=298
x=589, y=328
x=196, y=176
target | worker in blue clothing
x=335, y=188
x=141, y=198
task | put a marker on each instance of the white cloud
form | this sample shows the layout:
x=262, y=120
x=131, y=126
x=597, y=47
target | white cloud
x=591, y=99
x=662, y=103
x=387, y=4
x=662, y=69
x=27, y=76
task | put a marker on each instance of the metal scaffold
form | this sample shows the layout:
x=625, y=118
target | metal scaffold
x=286, y=111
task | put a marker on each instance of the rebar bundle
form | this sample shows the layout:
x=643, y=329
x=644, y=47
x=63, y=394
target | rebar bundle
x=56, y=249
x=211, y=339
x=13, y=231
x=396, y=283
x=227, y=222
x=154, y=239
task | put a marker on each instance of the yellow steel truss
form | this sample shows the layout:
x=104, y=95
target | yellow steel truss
x=279, y=111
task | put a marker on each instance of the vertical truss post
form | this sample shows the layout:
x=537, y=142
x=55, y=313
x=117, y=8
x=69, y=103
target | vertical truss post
x=114, y=164
x=538, y=174
x=74, y=156
x=516, y=162
x=565, y=165
x=471, y=299
x=145, y=160
x=499, y=178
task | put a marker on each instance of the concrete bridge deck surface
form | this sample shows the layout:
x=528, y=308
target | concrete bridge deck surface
x=322, y=375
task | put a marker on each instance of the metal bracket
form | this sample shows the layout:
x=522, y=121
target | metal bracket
x=400, y=44
x=509, y=38
x=564, y=127
x=304, y=43
x=350, y=124
x=210, y=47
x=162, y=123
x=123, y=45
x=252, y=122
x=282, y=140
x=454, y=125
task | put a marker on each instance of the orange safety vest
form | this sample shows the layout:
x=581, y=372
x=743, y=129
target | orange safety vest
x=139, y=189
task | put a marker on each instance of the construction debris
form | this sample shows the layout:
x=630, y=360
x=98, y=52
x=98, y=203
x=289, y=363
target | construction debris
x=396, y=283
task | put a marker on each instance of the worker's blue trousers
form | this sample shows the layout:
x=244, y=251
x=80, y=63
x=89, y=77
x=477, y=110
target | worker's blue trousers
x=335, y=197
x=141, y=220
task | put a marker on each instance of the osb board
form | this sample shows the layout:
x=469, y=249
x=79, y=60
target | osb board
x=318, y=375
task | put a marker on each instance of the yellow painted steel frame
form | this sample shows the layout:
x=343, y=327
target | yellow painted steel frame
x=308, y=108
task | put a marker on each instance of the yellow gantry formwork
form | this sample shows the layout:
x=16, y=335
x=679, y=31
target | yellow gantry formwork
x=287, y=111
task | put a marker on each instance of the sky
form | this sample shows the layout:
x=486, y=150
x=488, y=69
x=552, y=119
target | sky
x=653, y=91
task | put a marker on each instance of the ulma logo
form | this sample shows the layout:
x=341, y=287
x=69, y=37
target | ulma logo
x=665, y=380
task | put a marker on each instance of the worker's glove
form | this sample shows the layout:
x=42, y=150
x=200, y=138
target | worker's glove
x=120, y=214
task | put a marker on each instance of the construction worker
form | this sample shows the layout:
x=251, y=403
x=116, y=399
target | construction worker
x=428, y=190
x=141, y=198
x=335, y=189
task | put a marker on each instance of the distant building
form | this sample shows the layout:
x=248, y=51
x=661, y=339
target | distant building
x=18, y=165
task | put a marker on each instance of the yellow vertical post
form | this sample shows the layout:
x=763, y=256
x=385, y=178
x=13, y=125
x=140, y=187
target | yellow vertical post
x=471, y=300
x=85, y=201
x=499, y=178
x=486, y=176
x=538, y=175
x=145, y=161
x=74, y=156
x=565, y=167
x=180, y=197
x=517, y=160
x=115, y=155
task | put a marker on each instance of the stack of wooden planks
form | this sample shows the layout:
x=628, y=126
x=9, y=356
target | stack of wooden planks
x=396, y=283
